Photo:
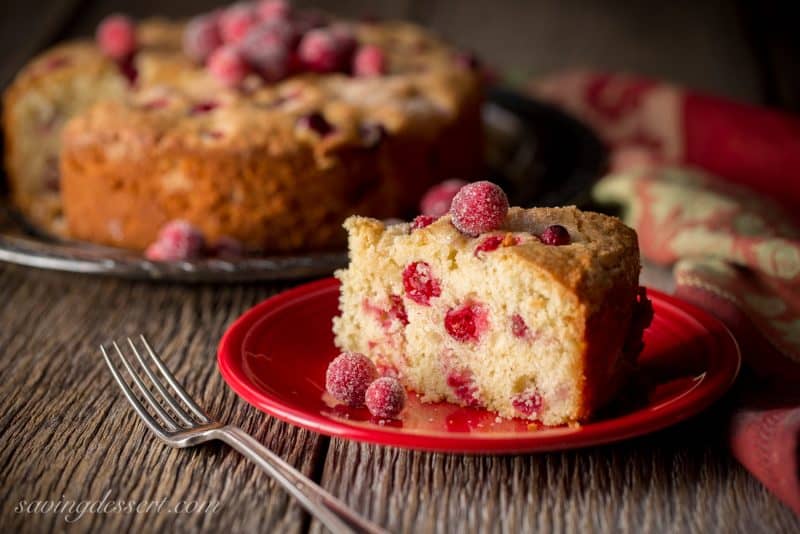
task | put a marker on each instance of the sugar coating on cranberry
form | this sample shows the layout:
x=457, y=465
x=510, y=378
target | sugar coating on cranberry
x=348, y=377
x=228, y=66
x=385, y=397
x=468, y=322
x=116, y=36
x=421, y=221
x=319, y=51
x=555, y=235
x=528, y=403
x=436, y=201
x=369, y=61
x=420, y=283
x=266, y=49
x=177, y=240
x=201, y=37
x=479, y=207
x=236, y=21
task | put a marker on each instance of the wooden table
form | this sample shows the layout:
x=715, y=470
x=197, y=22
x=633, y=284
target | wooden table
x=67, y=434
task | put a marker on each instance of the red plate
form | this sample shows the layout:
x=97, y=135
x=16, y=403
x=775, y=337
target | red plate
x=276, y=354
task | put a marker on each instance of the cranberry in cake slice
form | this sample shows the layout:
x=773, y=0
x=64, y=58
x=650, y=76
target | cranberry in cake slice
x=529, y=327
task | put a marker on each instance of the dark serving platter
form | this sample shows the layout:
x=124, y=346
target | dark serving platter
x=540, y=155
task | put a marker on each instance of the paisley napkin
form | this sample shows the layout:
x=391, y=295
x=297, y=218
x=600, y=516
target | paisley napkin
x=713, y=189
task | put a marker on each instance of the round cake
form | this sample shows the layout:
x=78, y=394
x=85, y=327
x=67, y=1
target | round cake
x=273, y=153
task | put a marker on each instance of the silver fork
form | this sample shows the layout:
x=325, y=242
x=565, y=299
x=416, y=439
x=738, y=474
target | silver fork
x=183, y=428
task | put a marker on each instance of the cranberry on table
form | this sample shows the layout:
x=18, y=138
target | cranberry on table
x=555, y=235
x=385, y=398
x=228, y=66
x=369, y=61
x=201, y=37
x=479, y=207
x=421, y=221
x=436, y=201
x=116, y=37
x=348, y=377
x=177, y=240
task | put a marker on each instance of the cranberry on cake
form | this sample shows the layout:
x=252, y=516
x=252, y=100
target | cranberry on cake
x=260, y=123
x=532, y=313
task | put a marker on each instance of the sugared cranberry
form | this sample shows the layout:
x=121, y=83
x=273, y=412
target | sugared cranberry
x=236, y=21
x=116, y=36
x=177, y=240
x=227, y=248
x=348, y=377
x=319, y=51
x=267, y=50
x=421, y=221
x=369, y=61
x=479, y=207
x=269, y=10
x=201, y=37
x=385, y=397
x=228, y=66
x=467, y=322
x=518, y=326
x=436, y=201
x=315, y=122
x=420, y=284
x=463, y=385
x=555, y=235
x=528, y=403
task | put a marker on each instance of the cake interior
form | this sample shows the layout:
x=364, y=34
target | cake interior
x=519, y=337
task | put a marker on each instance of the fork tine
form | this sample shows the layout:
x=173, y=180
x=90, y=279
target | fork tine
x=174, y=383
x=172, y=425
x=166, y=395
x=126, y=390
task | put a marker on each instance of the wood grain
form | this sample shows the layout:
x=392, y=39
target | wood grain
x=67, y=431
x=680, y=480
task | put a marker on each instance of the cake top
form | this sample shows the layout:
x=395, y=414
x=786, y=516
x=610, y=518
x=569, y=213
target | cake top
x=600, y=248
x=397, y=76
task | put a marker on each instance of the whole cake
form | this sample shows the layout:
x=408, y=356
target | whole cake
x=259, y=123
x=531, y=313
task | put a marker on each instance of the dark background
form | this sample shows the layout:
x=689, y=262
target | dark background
x=747, y=50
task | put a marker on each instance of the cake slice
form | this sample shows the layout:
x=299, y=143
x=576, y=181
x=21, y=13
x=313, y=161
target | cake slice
x=539, y=318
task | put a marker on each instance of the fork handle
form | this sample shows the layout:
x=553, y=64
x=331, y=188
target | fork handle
x=332, y=512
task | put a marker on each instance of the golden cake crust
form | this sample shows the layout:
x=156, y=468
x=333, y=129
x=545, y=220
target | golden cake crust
x=235, y=162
